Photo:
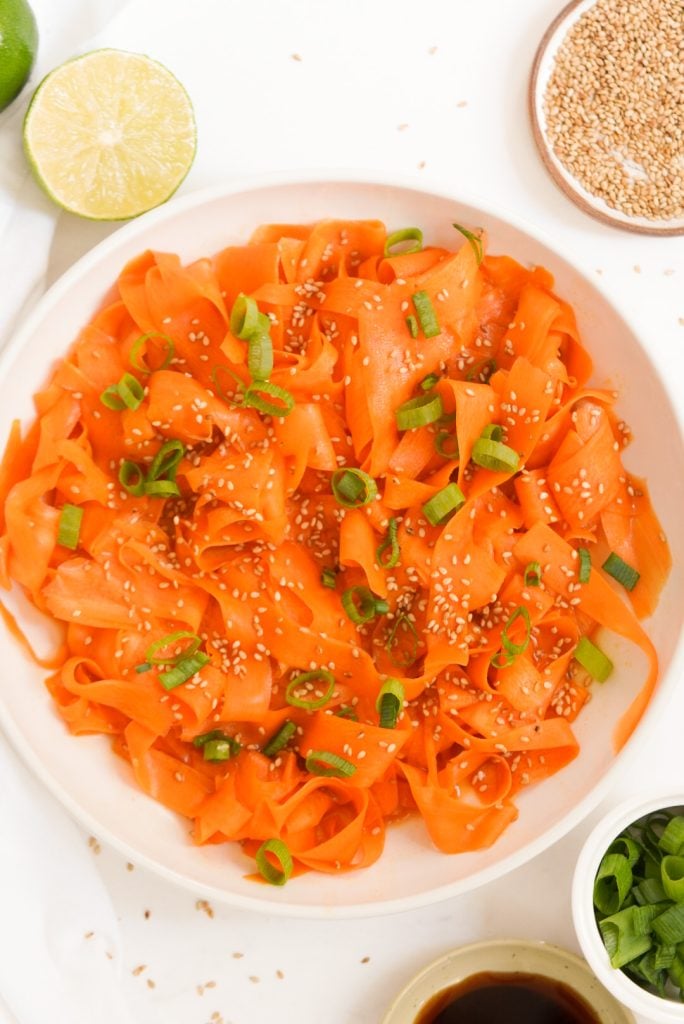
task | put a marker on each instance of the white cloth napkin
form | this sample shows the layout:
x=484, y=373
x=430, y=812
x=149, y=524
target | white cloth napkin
x=60, y=955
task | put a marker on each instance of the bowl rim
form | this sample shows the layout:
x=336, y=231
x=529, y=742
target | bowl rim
x=550, y=952
x=141, y=226
x=594, y=847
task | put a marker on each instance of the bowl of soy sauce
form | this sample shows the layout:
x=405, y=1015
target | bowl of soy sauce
x=507, y=980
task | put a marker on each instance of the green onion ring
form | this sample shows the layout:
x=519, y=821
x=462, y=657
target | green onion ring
x=323, y=762
x=316, y=675
x=139, y=344
x=418, y=412
x=412, y=235
x=442, y=505
x=425, y=312
x=167, y=641
x=353, y=488
x=277, y=849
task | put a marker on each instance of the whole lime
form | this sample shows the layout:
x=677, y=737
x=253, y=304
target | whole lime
x=18, y=46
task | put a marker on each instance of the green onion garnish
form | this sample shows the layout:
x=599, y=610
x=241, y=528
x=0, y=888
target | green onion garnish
x=446, y=445
x=219, y=750
x=132, y=478
x=443, y=504
x=215, y=734
x=183, y=670
x=361, y=605
x=428, y=383
x=278, y=849
x=520, y=612
x=280, y=739
x=412, y=325
x=418, y=412
x=69, y=526
x=127, y=394
x=143, y=667
x=306, y=680
x=165, y=463
x=474, y=240
x=533, y=574
x=353, y=488
x=244, y=317
x=139, y=345
x=329, y=578
x=322, y=762
x=584, y=572
x=390, y=702
x=482, y=370
x=502, y=659
x=347, y=711
x=387, y=553
x=425, y=312
x=592, y=659
x=494, y=455
x=492, y=432
x=639, y=902
x=412, y=235
x=152, y=652
x=625, y=574
x=253, y=397
x=260, y=351
x=162, y=489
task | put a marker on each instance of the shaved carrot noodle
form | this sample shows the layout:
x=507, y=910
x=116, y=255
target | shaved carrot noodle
x=258, y=482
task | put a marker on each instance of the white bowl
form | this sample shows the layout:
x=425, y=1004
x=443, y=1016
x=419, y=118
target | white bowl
x=653, y=1007
x=95, y=786
x=505, y=956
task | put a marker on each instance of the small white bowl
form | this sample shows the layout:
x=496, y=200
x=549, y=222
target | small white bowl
x=653, y=1007
x=505, y=956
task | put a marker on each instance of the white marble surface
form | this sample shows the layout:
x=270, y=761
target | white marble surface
x=436, y=89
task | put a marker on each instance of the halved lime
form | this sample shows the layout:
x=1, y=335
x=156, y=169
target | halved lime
x=18, y=45
x=110, y=135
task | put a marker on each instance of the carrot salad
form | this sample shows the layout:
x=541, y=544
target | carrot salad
x=331, y=521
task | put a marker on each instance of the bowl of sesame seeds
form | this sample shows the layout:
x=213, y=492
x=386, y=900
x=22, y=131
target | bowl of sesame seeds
x=411, y=872
x=605, y=100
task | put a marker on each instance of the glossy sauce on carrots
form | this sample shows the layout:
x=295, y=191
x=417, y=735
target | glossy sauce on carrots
x=491, y=998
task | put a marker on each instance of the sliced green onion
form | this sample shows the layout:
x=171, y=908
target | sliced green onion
x=319, y=675
x=184, y=670
x=669, y=926
x=412, y=325
x=322, y=762
x=347, y=711
x=412, y=235
x=612, y=884
x=221, y=368
x=361, y=605
x=111, y=398
x=138, y=346
x=244, y=317
x=622, y=942
x=408, y=657
x=427, y=318
x=474, y=240
x=220, y=750
x=278, y=849
x=494, y=455
x=625, y=574
x=418, y=412
x=429, y=382
x=390, y=702
x=162, y=489
x=165, y=463
x=132, y=478
x=280, y=739
x=672, y=839
x=151, y=654
x=143, y=667
x=492, y=432
x=443, y=504
x=446, y=445
x=69, y=526
x=502, y=659
x=592, y=658
x=482, y=370
x=215, y=734
x=520, y=612
x=131, y=391
x=329, y=578
x=387, y=553
x=533, y=574
x=353, y=488
x=253, y=398
x=260, y=350
x=672, y=874
x=584, y=572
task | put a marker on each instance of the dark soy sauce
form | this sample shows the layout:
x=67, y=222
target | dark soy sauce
x=489, y=998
